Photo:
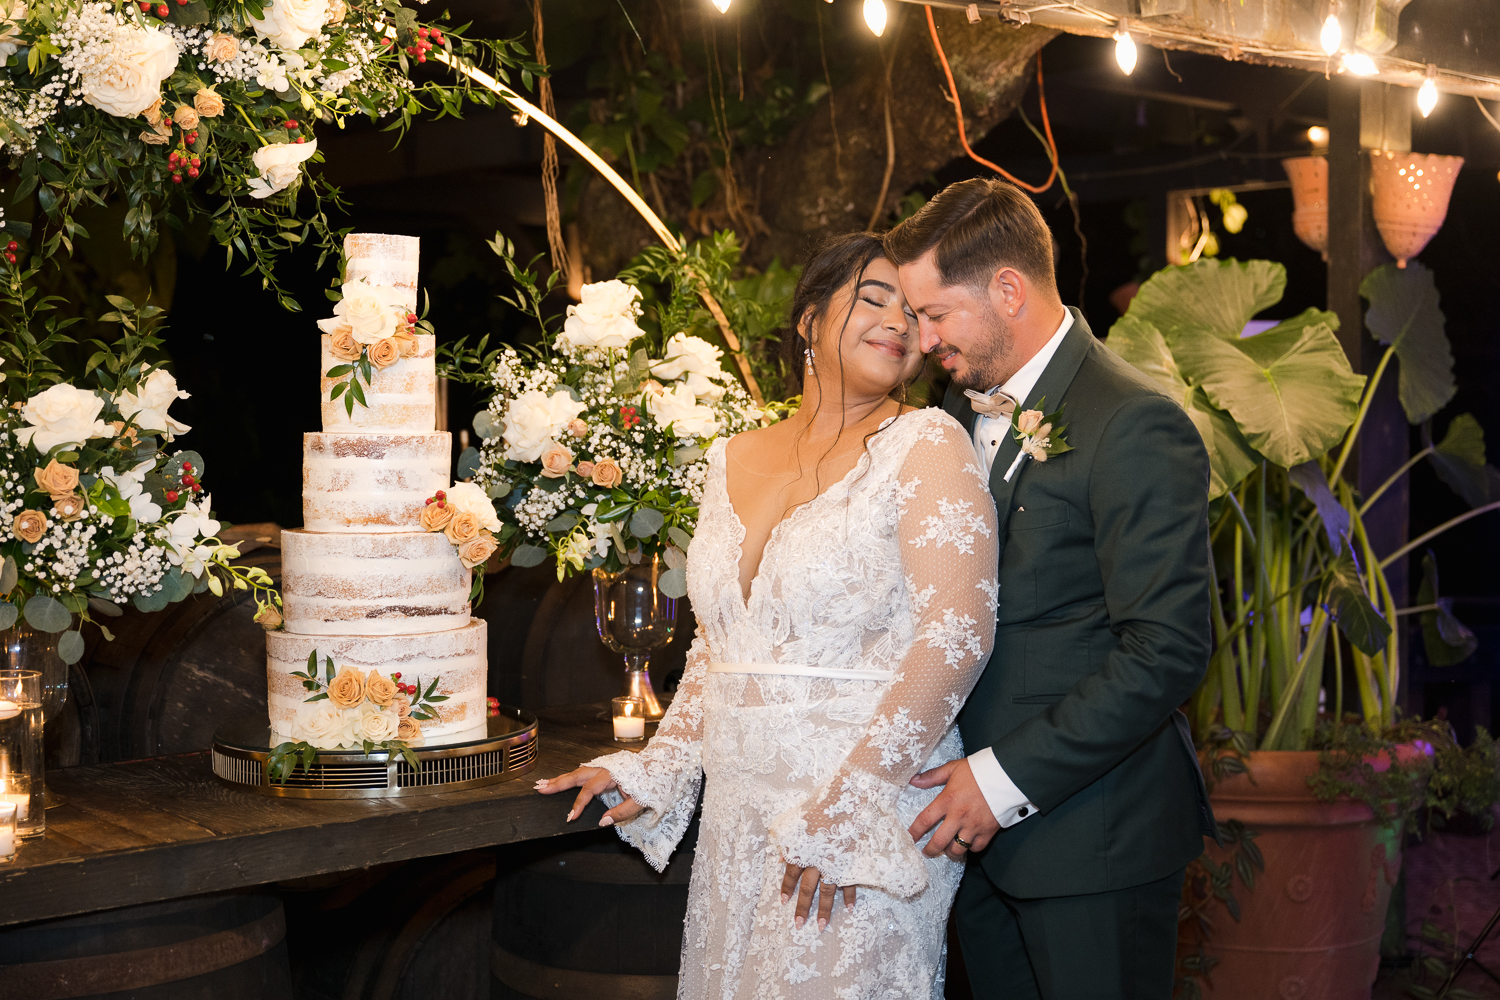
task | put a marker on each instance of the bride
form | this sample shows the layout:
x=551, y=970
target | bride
x=843, y=578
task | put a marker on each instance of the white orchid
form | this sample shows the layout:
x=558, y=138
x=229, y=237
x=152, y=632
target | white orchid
x=131, y=486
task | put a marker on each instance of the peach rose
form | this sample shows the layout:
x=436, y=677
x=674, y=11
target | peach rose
x=436, y=515
x=463, y=528
x=408, y=729
x=343, y=346
x=1028, y=421
x=222, y=48
x=477, y=551
x=606, y=473
x=153, y=114
x=577, y=428
x=29, y=525
x=185, y=117
x=56, y=479
x=585, y=468
x=336, y=11
x=380, y=689
x=70, y=507
x=407, y=343
x=384, y=352
x=347, y=689
x=556, y=460
x=402, y=705
x=268, y=618
x=652, y=387
x=208, y=103
x=152, y=138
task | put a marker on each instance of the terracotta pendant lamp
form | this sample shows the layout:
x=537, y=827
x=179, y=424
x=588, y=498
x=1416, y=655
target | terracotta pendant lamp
x=1309, y=176
x=1411, y=198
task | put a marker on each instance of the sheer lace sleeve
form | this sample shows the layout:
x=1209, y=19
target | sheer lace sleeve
x=850, y=831
x=666, y=775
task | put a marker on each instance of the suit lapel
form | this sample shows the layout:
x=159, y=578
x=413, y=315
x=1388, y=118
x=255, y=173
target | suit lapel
x=1052, y=386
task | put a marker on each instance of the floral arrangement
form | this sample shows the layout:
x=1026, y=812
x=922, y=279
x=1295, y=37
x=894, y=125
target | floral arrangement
x=209, y=108
x=464, y=513
x=594, y=443
x=94, y=513
x=347, y=709
x=370, y=330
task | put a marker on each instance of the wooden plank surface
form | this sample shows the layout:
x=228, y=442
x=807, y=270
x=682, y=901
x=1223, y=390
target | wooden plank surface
x=148, y=830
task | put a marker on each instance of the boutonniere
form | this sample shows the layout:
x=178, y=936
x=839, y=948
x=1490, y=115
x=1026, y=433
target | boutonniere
x=1041, y=436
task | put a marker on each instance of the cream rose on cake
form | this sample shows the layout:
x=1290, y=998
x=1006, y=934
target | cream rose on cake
x=369, y=313
x=680, y=409
x=605, y=316
x=126, y=79
x=533, y=420
x=148, y=404
x=320, y=723
x=62, y=415
x=471, y=499
x=288, y=24
x=696, y=362
x=279, y=165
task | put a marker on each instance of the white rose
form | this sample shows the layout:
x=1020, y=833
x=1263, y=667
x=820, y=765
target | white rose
x=471, y=498
x=697, y=362
x=533, y=419
x=319, y=723
x=148, y=404
x=371, y=312
x=680, y=408
x=604, y=318
x=62, y=415
x=290, y=23
x=12, y=13
x=376, y=724
x=126, y=79
x=279, y=165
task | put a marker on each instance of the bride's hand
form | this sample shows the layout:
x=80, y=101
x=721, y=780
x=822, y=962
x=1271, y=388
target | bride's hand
x=811, y=884
x=590, y=781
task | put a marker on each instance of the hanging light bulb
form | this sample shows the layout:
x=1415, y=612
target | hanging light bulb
x=1317, y=136
x=1427, y=95
x=723, y=6
x=1360, y=64
x=1333, y=33
x=875, y=16
x=1125, y=50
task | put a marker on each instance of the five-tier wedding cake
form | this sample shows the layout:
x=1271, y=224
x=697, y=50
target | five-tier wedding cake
x=365, y=585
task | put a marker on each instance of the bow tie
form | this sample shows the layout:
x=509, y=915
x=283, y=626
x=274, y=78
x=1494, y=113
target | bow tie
x=995, y=404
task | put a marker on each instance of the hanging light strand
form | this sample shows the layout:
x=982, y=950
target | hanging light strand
x=1125, y=53
x=875, y=16
x=1427, y=94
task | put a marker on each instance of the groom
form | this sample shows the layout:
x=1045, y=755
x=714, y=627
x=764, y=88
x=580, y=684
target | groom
x=1081, y=800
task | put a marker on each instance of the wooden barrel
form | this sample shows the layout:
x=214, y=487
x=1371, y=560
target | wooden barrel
x=228, y=946
x=585, y=916
x=409, y=930
x=172, y=677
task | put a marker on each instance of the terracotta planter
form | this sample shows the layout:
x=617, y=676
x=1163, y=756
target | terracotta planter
x=1309, y=177
x=1411, y=198
x=1310, y=930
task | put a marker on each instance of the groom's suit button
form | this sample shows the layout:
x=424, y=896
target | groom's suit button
x=1022, y=812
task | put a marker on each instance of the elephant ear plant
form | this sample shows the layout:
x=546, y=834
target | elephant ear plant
x=1279, y=412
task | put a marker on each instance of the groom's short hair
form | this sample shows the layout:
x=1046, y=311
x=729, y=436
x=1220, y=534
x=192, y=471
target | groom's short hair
x=977, y=227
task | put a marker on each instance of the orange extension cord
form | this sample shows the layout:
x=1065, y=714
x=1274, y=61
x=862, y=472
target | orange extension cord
x=959, y=112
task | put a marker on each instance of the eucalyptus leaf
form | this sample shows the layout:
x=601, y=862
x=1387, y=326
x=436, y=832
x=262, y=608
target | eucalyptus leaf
x=8, y=614
x=566, y=521
x=528, y=555
x=8, y=575
x=1404, y=313
x=1310, y=479
x=1357, y=617
x=104, y=607
x=176, y=584
x=485, y=425
x=47, y=615
x=679, y=538
x=468, y=464
x=673, y=583
x=70, y=647
x=150, y=602
x=646, y=522
x=498, y=490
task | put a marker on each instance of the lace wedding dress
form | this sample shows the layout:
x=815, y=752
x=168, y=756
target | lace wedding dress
x=809, y=706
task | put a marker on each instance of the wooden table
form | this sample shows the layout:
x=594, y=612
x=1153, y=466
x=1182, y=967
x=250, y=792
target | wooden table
x=147, y=830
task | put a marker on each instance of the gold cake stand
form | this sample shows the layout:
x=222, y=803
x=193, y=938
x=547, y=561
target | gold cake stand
x=507, y=750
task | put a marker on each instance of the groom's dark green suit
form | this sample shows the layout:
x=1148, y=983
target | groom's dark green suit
x=1102, y=632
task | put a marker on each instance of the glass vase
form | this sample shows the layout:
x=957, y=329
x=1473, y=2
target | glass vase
x=25, y=648
x=634, y=618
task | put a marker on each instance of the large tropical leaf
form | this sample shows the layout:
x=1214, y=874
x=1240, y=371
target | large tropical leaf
x=1311, y=480
x=1230, y=457
x=1404, y=313
x=1290, y=389
x=1459, y=461
x=1351, y=607
x=1214, y=297
x=1446, y=640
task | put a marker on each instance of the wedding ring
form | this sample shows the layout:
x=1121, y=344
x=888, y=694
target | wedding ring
x=960, y=840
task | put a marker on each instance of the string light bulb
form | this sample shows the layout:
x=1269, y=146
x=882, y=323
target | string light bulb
x=1125, y=53
x=1333, y=33
x=875, y=16
x=723, y=6
x=1317, y=135
x=1360, y=64
x=1427, y=95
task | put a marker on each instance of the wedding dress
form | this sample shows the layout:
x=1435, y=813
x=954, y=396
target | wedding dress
x=808, y=707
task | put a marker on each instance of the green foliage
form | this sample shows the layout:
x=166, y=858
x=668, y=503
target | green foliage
x=1210, y=884
x=1404, y=315
x=1442, y=957
x=1459, y=461
x=1446, y=640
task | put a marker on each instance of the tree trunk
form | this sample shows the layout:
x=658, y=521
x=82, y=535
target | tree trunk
x=826, y=175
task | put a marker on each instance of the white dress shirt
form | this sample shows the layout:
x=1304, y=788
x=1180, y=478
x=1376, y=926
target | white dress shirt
x=1009, y=804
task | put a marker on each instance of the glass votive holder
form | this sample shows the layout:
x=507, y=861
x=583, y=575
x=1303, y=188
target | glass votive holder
x=21, y=780
x=629, y=715
x=8, y=836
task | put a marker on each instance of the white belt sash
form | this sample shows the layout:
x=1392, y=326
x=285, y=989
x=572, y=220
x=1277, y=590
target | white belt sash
x=802, y=670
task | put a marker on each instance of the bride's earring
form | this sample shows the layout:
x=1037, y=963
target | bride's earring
x=809, y=354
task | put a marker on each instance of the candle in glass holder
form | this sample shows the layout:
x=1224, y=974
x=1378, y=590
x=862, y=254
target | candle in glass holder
x=7, y=832
x=630, y=719
x=9, y=710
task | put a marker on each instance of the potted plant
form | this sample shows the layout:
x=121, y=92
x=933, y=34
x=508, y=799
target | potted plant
x=1302, y=592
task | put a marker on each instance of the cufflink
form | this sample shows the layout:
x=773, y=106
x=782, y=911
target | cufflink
x=1023, y=812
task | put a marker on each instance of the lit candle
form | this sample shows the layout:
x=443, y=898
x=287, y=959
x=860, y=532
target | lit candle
x=629, y=728
x=9, y=710
x=630, y=719
x=7, y=832
x=21, y=802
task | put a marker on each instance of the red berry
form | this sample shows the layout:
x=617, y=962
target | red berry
x=176, y=178
x=396, y=675
x=192, y=139
x=291, y=123
x=385, y=41
x=12, y=246
x=423, y=32
x=145, y=8
x=301, y=139
x=162, y=10
x=171, y=496
x=421, y=58
x=188, y=466
x=11, y=257
x=197, y=163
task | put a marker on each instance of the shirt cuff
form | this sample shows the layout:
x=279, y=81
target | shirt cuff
x=1009, y=804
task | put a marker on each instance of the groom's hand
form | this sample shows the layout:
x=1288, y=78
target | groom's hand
x=960, y=810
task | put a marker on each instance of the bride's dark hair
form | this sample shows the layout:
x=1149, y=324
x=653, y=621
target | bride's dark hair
x=836, y=263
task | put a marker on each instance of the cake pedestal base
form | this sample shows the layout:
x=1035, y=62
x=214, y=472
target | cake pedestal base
x=507, y=751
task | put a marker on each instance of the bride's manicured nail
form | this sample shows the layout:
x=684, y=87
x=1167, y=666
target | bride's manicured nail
x=570, y=817
x=848, y=907
x=800, y=921
x=785, y=899
x=607, y=821
x=822, y=925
